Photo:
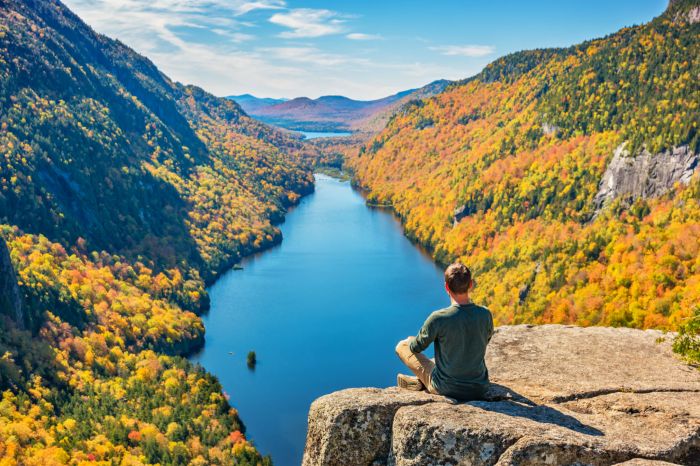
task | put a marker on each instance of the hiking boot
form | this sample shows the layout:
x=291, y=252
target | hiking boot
x=409, y=382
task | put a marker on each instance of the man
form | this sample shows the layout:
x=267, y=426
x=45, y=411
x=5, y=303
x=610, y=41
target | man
x=460, y=333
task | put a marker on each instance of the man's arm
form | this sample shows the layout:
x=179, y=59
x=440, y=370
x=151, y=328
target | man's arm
x=425, y=337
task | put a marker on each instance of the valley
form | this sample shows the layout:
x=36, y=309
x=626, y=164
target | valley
x=322, y=311
x=152, y=233
x=503, y=171
x=123, y=194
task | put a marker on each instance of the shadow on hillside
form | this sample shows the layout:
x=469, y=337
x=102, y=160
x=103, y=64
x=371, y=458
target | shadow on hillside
x=504, y=400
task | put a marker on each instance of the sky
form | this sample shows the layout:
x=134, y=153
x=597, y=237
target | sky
x=363, y=49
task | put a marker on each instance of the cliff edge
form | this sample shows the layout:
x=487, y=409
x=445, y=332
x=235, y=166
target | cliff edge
x=560, y=395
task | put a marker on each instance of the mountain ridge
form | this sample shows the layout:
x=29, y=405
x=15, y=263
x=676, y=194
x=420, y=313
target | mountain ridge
x=334, y=112
x=501, y=171
x=122, y=193
x=137, y=96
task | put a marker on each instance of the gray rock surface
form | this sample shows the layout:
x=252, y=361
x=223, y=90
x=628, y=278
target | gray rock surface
x=643, y=462
x=549, y=128
x=690, y=14
x=558, y=363
x=693, y=15
x=645, y=175
x=460, y=213
x=354, y=426
x=10, y=298
x=560, y=395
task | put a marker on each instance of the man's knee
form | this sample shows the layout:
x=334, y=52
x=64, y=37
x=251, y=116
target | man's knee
x=401, y=348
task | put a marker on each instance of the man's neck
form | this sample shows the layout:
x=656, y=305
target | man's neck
x=460, y=300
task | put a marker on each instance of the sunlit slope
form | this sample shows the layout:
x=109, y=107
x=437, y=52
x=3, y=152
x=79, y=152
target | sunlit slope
x=98, y=144
x=121, y=192
x=502, y=171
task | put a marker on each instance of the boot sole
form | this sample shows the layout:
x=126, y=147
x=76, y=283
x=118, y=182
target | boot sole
x=409, y=383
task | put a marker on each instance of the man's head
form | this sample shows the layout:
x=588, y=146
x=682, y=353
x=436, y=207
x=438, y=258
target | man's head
x=458, y=280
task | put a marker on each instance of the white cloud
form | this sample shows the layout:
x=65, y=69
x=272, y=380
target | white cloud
x=148, y=25
x=247, y=7
x=469, y=50
x=241, y=37
x=209, y=43
x=361, y=36
x=231, y=71
x=308, y=22
x=236, y=37
x=313, y=55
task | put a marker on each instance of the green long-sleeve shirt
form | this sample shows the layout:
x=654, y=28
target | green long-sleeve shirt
x=460, y=334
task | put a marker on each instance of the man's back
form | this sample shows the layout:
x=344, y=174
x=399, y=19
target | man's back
x=461, y=333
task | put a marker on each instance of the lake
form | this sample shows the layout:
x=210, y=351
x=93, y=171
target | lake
x=323, y=134
x=323, y=311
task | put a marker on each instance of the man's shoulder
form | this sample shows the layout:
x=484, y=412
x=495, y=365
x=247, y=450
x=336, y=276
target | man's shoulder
x=442, y=314
x=482, y=310
x=450, y=312
x=484, y=315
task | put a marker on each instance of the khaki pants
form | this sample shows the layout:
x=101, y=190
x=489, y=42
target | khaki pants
x=420, y=364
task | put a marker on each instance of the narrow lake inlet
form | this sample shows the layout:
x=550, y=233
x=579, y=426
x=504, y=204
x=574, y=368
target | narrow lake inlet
x=322, y=311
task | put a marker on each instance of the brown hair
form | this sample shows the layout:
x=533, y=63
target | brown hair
x=458, y=278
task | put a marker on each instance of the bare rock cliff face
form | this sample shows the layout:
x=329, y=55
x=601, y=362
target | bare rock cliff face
x=10, y=298
x=689, y=14
x=694, y=15
x=560, y=395
x=645, y=175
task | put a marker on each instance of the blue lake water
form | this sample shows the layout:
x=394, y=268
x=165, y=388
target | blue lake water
x=323, y=134
x=323, y=311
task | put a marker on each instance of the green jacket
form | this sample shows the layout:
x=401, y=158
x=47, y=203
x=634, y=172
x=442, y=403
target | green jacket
x=460, y=334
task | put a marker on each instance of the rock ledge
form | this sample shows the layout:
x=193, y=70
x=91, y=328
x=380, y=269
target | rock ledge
x=560, y=395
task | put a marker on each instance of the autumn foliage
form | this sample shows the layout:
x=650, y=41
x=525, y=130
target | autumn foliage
x=122, y=193
x=521, y=149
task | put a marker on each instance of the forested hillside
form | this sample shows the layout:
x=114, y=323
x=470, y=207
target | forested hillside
x=502, y=170
x=99, y=144
x=121, y=194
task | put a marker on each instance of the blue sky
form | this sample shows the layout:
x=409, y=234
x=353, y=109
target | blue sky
x=362, y=49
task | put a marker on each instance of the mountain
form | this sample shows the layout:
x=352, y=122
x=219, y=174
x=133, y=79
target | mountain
x=104, y=147
x=333, y=112
x=377, y=120
x=566, y=178
x=121, y=193
x=250, y=103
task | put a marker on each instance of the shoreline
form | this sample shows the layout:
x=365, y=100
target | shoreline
x=231, y=265
x=243, y=295
x=424, y=248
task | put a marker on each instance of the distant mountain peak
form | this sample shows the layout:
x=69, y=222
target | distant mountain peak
x=333, y=112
